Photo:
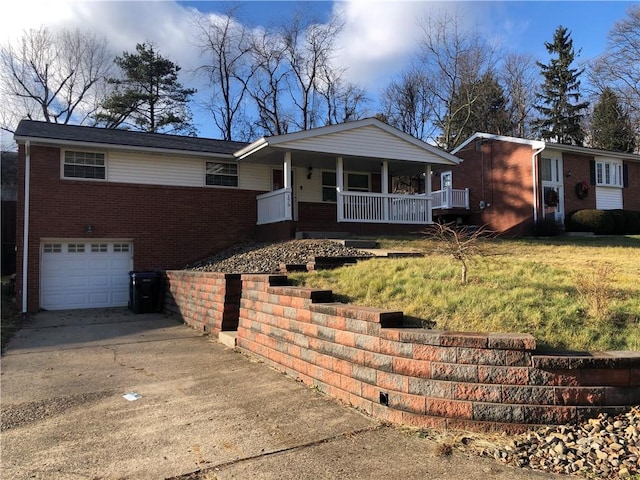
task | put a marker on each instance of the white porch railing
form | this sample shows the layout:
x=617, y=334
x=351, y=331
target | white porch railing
x=274, y=206
x=383, y=208
x=451, y=198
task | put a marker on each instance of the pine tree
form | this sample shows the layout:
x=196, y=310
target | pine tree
x=148, y=97
x=561, y=118
x=612, y=129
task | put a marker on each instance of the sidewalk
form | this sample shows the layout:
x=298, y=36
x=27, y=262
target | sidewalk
x=203, y=408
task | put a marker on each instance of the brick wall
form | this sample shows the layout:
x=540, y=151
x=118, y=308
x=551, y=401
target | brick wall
x=170, y=226
x=208, y=302
x=631, y=194
x=426, y=378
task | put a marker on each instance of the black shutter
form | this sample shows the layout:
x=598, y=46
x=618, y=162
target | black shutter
x=592, y=172
x=625, y=175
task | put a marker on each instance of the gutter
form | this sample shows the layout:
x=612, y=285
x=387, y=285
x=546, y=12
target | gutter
x=25, y=227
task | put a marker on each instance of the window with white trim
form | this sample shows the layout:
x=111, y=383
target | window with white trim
x=120, y=247
x=99, y=248
x=75, y=248
x=87, y=165
x=52, y=248
x=609, y=173
x=358, y=182
x=329, y=187
x=221, y=174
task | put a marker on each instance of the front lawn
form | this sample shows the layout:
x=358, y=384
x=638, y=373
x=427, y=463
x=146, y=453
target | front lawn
x=569, y=293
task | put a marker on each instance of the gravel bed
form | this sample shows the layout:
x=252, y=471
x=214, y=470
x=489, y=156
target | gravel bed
x=267, y=257
x=603, y=447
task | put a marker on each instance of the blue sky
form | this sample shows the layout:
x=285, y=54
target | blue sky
x=378, y=40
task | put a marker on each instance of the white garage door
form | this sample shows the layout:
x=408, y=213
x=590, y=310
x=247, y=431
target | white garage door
x=85, y=274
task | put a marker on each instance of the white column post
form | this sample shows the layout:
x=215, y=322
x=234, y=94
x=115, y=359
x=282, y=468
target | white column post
x=286, y=173
x=427, y=191
x=340, y=187
x=385, y=190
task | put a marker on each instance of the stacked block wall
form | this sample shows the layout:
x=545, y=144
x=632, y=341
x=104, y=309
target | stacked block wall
x=208, y=302
x=425, y=378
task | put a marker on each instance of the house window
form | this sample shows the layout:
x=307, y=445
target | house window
x=221, y=174
x=89, y=165
x=358, y=182
x=329, y=187
x=52, y=248
x=609, y=174
x=75, y=248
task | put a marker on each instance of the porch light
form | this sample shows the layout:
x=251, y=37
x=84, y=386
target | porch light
x=309, y=172
x=89, y=229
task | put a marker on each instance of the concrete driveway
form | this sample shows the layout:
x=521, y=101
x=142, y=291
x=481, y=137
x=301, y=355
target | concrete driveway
x=203, y=408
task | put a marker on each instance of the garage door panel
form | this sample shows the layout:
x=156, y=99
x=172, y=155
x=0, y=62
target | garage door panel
x=72, y=278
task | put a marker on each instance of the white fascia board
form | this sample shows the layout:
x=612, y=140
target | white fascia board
x=119, y=146
x=534, y=144
x=252, y=148
x=594, y=152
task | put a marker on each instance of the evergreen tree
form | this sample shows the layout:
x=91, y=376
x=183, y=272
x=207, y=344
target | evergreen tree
x=560, y=95
x=612, y=129
x=484, y=104
x=148, y=97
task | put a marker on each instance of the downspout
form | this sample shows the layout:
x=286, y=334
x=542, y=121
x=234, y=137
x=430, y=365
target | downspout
x=535, y=182
x=25, y=227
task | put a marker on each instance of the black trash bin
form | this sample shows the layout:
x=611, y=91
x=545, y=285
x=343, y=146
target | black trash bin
x=146, y=292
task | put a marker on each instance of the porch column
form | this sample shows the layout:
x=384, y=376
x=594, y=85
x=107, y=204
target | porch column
x=427, y=191
x=286, y=172
x=385, y=190
x=340, y=187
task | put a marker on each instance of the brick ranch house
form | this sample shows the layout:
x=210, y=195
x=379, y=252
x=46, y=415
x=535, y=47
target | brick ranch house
x=94, y=204
x=514, y=183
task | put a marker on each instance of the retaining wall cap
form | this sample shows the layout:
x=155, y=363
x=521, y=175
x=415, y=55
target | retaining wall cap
x=229, y=276
x=303, y=292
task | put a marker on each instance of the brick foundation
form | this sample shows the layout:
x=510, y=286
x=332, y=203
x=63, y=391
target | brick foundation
x=426, y=378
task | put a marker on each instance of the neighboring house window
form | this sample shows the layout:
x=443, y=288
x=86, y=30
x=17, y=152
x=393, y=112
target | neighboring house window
x=609, y=174
x=89, y=165
x=221, y=174
x=329, y=187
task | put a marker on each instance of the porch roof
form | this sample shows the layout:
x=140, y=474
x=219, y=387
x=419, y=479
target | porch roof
x=364, y=139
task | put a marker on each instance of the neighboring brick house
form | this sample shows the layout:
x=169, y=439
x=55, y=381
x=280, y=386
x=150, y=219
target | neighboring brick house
x=98, y=203
x=515, y=183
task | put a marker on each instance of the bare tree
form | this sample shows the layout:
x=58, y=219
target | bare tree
x=462, y=243
x=450, y=56
x=309, y=47
x=344, y=100
x=619, y=66
x=269, y=82
x=57, y=77
x=226, y=43
x=519, y=76
x=408, y=104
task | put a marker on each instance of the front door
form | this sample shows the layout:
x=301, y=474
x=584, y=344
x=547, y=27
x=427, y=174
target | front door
x=277, y=182
x=552, y=188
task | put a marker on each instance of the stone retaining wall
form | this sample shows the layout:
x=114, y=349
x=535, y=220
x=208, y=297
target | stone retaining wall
x=427, y=378
x=208, y=302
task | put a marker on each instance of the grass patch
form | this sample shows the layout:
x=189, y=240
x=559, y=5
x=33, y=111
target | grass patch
x=553, y=289
x=11, y=316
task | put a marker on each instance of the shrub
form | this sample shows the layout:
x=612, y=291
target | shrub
x=619, y=222
x=632, y=222
x=600, y=222
x=547, y=227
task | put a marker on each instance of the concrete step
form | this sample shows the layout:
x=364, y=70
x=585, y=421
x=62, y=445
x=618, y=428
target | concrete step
x=230, y=339
x=358, y=243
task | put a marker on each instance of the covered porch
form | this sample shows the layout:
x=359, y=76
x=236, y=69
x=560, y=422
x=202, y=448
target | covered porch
x=359, y=173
